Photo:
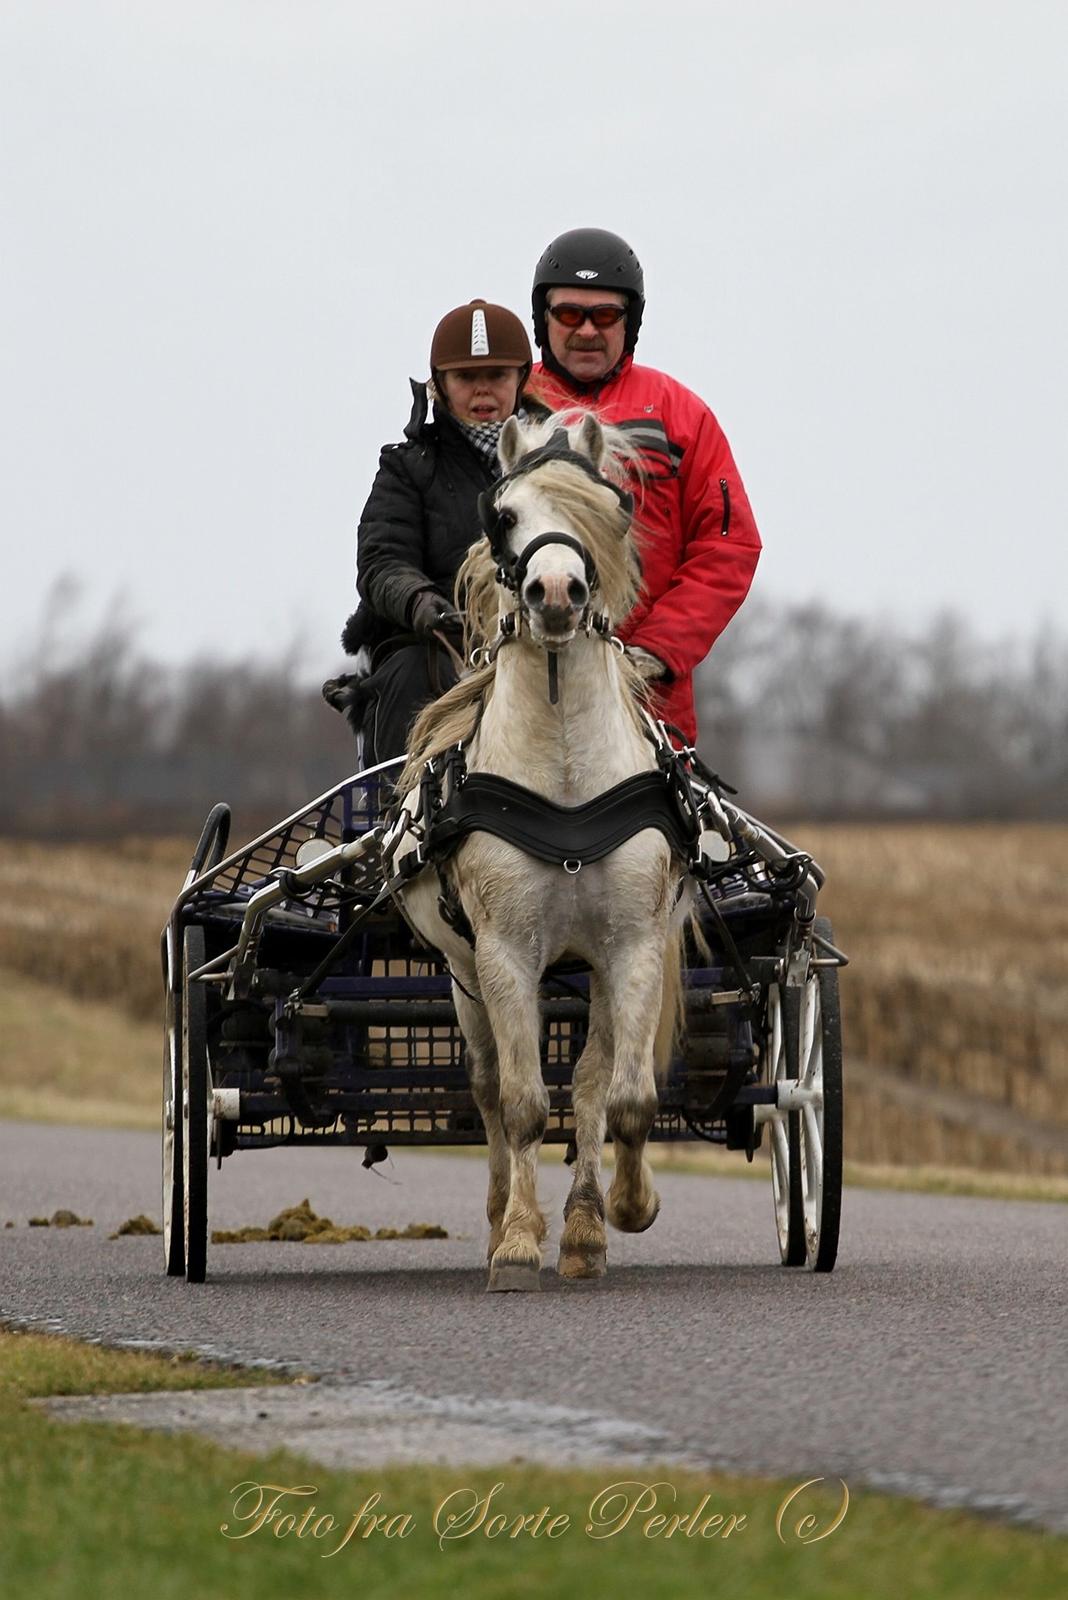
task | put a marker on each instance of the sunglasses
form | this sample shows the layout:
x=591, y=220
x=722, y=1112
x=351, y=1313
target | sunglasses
x=570, y=316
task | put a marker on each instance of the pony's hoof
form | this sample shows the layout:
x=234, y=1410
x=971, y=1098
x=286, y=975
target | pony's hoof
x=628, y=1219
x=582, y=1261
x=514, y=1275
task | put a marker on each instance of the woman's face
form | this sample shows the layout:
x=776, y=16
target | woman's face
x=481, y=394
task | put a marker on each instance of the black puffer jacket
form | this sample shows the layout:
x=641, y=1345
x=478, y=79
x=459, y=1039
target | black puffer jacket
x=418, y=523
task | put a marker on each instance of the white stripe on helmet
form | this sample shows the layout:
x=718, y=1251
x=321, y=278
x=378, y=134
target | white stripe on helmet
x=479, y=334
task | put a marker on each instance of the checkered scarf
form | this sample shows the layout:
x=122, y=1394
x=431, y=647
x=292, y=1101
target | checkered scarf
x=484, y=436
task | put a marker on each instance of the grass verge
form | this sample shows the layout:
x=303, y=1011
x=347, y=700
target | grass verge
x=39, y=1365
x=95, y=1508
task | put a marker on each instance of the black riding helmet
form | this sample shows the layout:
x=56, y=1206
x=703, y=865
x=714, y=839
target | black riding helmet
x=589, y=258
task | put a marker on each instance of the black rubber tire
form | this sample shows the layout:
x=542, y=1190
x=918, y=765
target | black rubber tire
x=831, y=1020
x=195, y=1080
x=209, y=851
x=173, y=1177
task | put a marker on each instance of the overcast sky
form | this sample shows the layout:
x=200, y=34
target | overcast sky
x=228, y=230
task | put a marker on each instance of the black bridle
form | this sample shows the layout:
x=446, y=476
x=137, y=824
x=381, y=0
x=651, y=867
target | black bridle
x=498, y=523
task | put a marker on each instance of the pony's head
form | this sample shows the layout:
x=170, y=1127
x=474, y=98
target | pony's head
x=557, y=523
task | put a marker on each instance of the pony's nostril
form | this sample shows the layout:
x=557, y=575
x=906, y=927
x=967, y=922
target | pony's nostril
x=577, y=592
x=535, y=592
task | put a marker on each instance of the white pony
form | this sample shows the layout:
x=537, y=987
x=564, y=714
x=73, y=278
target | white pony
x=554, y=706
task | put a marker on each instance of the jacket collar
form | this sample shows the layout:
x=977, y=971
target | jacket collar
x=420, y=409
x=422, y=418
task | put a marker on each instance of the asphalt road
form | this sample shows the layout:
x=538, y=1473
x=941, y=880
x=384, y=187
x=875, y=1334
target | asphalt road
x=932, y=1362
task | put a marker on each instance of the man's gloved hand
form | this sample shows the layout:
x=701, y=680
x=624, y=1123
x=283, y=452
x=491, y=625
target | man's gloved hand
x=432, y=613
x=651, y=667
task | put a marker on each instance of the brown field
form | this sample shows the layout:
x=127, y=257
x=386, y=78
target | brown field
x=958, y=935
x=955, y=1001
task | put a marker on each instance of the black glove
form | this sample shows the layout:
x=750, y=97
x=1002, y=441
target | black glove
x=432, y=614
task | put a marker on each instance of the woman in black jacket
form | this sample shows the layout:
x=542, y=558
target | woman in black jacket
x=419, y=521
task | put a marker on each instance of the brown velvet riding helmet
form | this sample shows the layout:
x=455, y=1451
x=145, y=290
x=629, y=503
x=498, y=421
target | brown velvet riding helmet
x=480, y=335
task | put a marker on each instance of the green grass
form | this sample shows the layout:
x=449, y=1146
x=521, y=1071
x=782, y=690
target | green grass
x=41, y=1365
x=95, y=1509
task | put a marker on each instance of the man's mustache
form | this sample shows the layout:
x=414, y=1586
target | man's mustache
x=577, y=342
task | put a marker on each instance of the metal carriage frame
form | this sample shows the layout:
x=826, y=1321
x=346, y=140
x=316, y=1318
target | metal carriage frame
x=300, y=1010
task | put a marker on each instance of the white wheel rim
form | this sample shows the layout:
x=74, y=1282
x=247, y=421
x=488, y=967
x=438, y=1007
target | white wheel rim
x=780, y=1145
x=811, y=1056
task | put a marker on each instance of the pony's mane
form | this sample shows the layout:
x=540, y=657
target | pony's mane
x=598, y=521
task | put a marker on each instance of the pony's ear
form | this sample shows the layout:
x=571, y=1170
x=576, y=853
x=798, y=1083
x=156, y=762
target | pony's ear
x=590, y=440
x=510, y=444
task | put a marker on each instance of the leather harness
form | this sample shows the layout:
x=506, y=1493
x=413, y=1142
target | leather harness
x=454, y=804
x=564, y=836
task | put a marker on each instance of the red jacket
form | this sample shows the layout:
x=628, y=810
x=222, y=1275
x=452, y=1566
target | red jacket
x=698, y=540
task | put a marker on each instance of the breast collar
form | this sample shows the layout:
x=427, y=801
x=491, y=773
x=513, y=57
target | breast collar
x=455, y=803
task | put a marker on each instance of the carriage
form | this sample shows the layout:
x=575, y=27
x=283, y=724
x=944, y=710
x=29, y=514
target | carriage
x=302, y=1010
x=376, y=975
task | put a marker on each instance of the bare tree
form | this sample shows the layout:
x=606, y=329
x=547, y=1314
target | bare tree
x=803, y=709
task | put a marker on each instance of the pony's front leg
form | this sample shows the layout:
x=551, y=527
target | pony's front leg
x=584, y=1243
x=636, y=983
x=484, y=1078
x=509, y=987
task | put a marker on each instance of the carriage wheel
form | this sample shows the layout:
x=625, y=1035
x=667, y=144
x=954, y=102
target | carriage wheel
x=173, y=1187
x=821, y=1125
x=196, y=1110
x=785, y=1141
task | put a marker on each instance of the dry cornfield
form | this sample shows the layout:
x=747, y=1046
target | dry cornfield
x=955, y=1001
x=958, y=935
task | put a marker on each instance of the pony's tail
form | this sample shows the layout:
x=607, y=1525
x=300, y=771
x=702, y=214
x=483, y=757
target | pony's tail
x=672, y=1024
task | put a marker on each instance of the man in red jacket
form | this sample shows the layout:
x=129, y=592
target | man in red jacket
x=699, y=544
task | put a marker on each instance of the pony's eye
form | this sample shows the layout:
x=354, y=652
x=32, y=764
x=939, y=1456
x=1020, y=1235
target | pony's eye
x=505, y=520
